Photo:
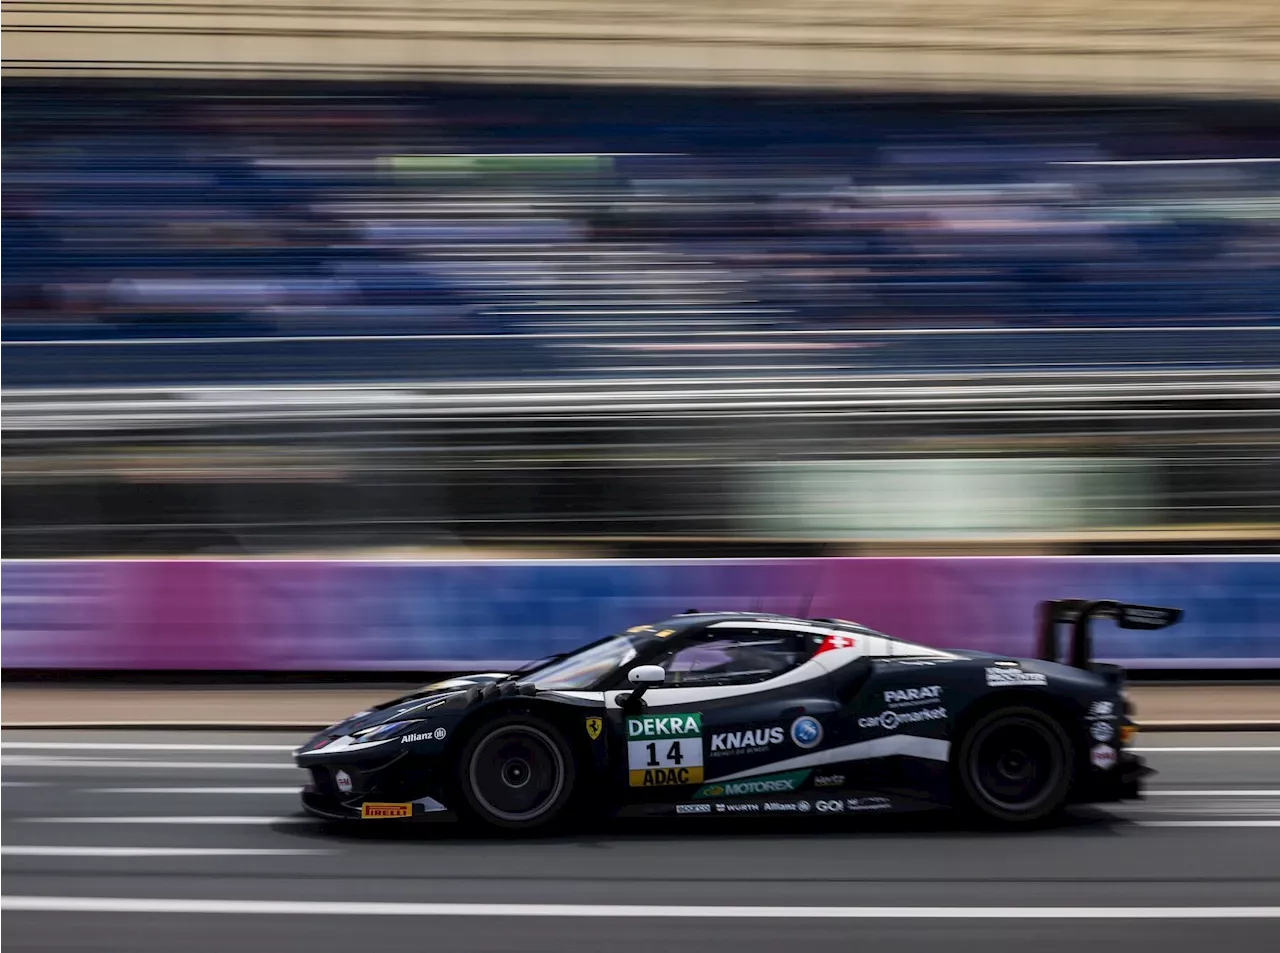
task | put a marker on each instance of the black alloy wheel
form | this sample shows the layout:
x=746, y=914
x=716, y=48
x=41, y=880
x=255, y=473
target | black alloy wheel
x=1015, y=766
x=517, y=773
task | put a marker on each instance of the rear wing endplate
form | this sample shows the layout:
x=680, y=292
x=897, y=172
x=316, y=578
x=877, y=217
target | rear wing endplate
x=1081, y=612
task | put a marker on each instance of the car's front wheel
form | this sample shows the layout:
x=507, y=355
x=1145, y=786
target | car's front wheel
x=517, y=773
x=1014, y=767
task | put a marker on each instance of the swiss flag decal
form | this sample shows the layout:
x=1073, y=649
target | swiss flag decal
x=840, y=641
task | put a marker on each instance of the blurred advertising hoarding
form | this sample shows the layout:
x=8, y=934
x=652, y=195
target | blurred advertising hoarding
x=332, y=615
x=1151, y=46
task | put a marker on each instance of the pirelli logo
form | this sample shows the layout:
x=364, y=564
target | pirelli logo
x=371, y=809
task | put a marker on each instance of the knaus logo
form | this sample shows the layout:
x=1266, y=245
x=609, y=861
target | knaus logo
x=890, y=720
x=897, y=697
x=999, y=677
x=734, y=741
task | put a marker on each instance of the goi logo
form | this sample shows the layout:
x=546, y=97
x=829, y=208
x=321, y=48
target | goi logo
x=806, y=731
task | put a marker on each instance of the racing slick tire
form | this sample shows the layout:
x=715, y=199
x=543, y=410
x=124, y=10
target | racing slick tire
x=517, y=773
x=1014, y=767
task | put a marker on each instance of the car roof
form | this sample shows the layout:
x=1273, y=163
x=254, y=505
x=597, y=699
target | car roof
x=685, y=619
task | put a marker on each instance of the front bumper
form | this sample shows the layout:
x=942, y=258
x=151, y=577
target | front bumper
x=346, y=808
x=340, y=788
x=1124, y=782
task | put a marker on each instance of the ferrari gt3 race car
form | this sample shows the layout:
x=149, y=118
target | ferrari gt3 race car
x=717, y=714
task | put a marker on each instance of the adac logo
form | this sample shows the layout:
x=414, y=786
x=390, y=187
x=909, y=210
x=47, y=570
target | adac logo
x=594, y=727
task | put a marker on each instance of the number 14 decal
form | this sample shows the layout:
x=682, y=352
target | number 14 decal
x=673, y=754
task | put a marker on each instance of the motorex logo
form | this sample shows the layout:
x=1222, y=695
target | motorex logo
x=806, y=731
x=764, y=784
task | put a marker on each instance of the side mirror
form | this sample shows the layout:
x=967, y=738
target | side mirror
x=647, y=676
x=643, y=677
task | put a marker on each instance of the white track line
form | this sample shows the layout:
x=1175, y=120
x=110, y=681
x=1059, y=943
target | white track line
x=1212, y=793
x=1272, y=749
x=1207, y=823
x=360, y=908
x=135, y=746
x=23, y=761
x=195, y=819
x=8, y=850
x=214, y=790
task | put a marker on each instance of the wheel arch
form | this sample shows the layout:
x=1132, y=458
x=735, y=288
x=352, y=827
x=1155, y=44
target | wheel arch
x=1063, y=710
x=568, y=719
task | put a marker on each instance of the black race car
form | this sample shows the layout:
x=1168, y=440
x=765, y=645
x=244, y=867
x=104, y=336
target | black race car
x=726, y=713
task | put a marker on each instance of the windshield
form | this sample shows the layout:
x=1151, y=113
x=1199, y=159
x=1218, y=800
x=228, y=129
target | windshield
x=586, y=667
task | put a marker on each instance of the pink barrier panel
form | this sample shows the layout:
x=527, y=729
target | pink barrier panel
x=393, y=616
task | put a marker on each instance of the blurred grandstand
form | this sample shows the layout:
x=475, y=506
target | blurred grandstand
x=250, y=317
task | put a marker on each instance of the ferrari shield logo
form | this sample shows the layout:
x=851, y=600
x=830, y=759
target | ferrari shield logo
x=594, y=726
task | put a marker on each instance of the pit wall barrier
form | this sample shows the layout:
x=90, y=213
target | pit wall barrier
x=277, y=615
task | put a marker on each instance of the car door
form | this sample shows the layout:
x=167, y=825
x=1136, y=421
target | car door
x=739, y=697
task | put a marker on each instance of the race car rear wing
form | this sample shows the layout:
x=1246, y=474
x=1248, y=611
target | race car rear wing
x=1081, y=612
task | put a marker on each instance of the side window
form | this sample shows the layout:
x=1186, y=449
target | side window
x=735, y=657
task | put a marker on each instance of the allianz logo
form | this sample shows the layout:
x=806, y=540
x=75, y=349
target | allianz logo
x=751, y=738
x=889, y=720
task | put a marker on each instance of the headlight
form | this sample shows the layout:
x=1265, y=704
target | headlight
x=389, y=730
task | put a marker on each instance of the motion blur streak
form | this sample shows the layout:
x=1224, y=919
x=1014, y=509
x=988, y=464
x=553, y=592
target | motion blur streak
x=306, y=318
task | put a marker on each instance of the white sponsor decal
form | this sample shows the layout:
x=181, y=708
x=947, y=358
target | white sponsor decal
x=437, y=735
x=896, y=697
x=737, y=808
x=1103, y=757
x=890, y=720
x=693, y=808
x=1101, y=731
x=786, y=807
x=343, y=781
x=867, y=804
x=828, y=780
x=833, y=806
x=735, y=742
x=1101, y=709
x=663, y=726
x=998, y=677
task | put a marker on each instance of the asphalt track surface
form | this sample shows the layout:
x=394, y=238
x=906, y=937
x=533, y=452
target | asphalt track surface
x=193, y=841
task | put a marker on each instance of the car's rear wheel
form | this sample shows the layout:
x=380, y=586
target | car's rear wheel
x=1014, y=767
x=517, y=773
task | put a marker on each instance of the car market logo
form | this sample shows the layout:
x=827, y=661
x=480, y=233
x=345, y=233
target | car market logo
x=765, y=784
x=891, y=720
x=437, y=735
x=1001, y=677
x=903, y=697
x=806, y=731
x=750, y=741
